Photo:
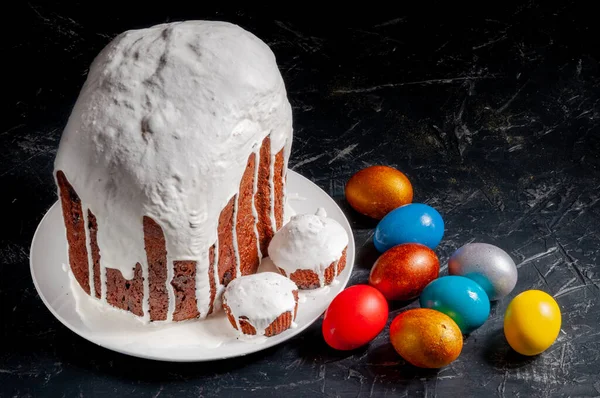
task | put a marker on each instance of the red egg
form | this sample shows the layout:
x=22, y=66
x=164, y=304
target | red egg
x=354, y=317
x=377, y=190
x=403, y=271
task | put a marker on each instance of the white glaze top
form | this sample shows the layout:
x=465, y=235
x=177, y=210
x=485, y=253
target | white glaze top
x=163, y=127
x=308, y=242
x=261, y=297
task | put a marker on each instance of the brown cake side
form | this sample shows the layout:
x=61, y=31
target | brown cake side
x=262, y=199
x=184, y=286
x=75, y=226
x=126, y=294
x=211, y=277
x=278, y=182
x=308, y=279
x=156, y=253
x=246, y=235
x=226, y=266
x=93, y=228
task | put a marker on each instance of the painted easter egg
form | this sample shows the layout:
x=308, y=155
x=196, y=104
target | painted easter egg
x=411, y=223
x=488, y=265
x=377, y=190
x=532, y=322
x=354, y=317
x=426, y=338
x=402, y=272
x=462, y=299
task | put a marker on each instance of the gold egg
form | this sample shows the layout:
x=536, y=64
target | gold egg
x=426, y=338
x=377, y=190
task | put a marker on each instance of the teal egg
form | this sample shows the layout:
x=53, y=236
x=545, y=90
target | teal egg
x=461, y=298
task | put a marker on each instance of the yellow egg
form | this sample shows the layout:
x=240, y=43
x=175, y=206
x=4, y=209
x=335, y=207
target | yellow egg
x=532, y=322
x=377, y=190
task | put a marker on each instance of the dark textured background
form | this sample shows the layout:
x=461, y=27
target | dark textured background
x=494, y=116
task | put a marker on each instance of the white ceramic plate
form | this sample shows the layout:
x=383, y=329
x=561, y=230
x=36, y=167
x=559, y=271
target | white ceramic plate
x=206, y=340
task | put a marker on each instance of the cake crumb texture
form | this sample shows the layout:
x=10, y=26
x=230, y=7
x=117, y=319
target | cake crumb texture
x=156, y=253
x=75, y=226
x=246, y=235
x=184, y=285
x=308, y=279
x=126, y=294
x=262, y=199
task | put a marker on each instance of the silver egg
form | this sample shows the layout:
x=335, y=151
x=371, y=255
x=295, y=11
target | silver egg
x=488, y=265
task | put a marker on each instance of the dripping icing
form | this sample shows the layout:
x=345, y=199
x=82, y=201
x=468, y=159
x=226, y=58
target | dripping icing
x=146, y=284
x=203, y=284
x=170, y=288
x=272, y=193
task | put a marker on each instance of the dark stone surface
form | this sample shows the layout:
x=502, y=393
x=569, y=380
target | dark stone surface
x=495, y=117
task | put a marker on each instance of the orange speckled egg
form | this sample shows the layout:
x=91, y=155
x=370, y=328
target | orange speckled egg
x=426, y=338
x=377, y=190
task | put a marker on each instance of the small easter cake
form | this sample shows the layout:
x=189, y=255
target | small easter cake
x=310, y=249
x=265, y=303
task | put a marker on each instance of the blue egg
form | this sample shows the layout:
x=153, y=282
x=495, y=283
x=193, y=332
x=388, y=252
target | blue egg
x=461, y=298
x=411, y=223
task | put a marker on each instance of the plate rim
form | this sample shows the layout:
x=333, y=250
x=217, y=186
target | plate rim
x=258, y=347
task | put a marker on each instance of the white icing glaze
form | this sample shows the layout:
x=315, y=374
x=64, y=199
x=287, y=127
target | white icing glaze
x=288, y=211
x=170, y=289
x=218, y=286
x=163, y=127
x=308, y=242
x=146, y=288
x=261, y=298
x=272, y=193
x=203, y=285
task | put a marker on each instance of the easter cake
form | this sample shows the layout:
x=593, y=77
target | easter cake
x=310, y=249
x=263, y=304
x=171, y=170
